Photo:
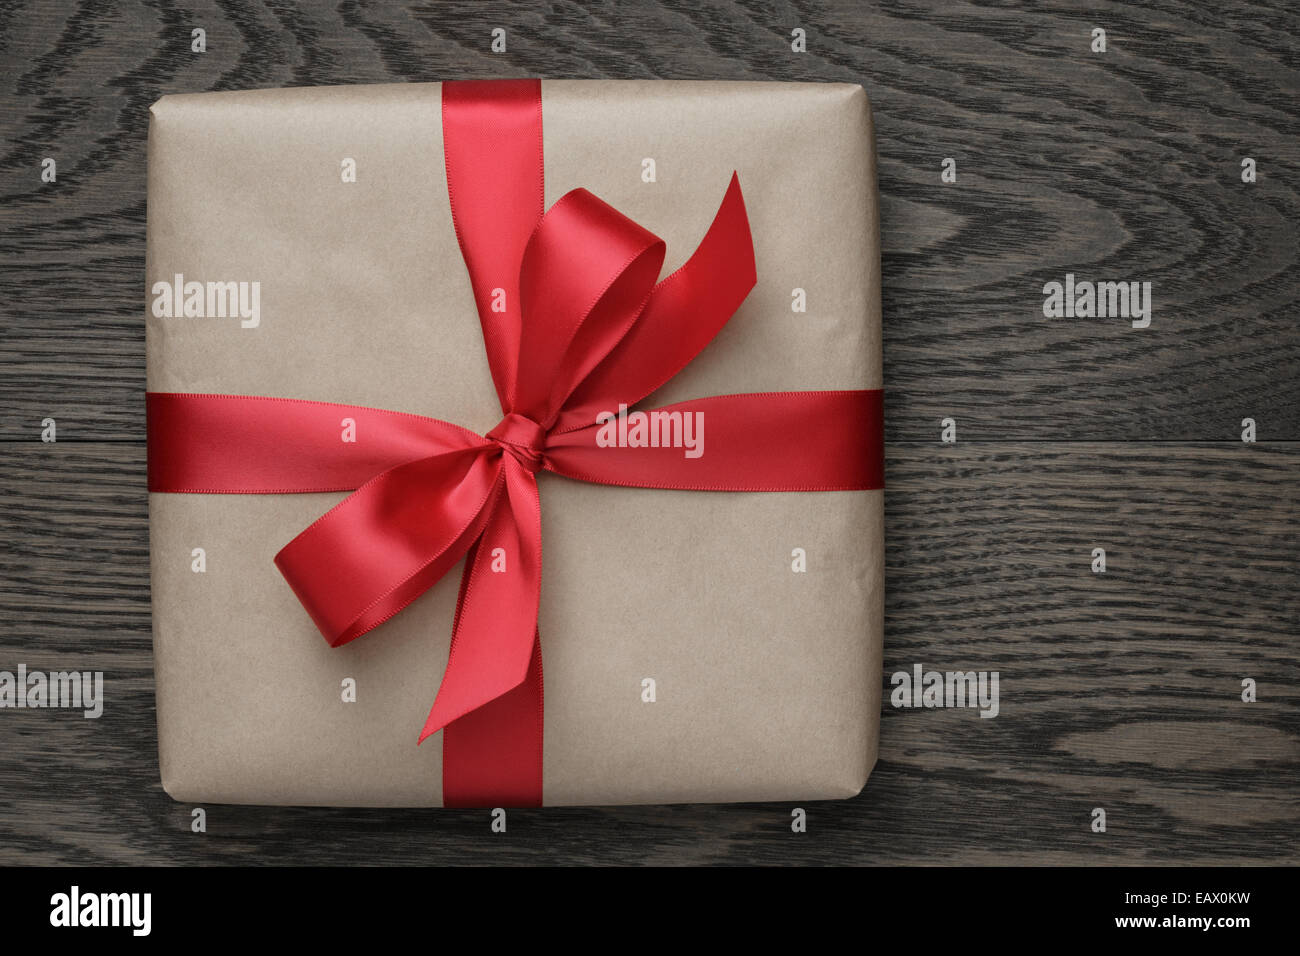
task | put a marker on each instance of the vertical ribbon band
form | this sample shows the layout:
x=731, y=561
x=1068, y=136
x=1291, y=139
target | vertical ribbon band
x=492, y=149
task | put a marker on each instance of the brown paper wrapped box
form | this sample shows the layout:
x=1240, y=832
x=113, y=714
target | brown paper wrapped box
x=767, y=680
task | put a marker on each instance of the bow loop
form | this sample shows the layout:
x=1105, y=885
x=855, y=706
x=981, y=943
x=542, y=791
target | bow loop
x=585, y=275
x=390, y=540
x=682, y=315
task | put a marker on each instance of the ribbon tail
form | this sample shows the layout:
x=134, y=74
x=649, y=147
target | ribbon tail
x=496, y=619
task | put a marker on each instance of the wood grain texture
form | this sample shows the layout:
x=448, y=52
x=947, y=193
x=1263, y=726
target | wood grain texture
x=1119, y=690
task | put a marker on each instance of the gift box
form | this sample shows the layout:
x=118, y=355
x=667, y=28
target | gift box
x=649, y=609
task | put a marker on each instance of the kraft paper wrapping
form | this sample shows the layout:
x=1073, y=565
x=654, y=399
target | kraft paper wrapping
x=767, y=680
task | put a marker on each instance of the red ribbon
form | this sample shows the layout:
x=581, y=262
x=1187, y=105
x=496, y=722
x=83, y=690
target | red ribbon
x=586, y=329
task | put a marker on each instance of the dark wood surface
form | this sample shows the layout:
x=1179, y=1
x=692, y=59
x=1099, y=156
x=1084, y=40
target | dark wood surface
x=1119, y=691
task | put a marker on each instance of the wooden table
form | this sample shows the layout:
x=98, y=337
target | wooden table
x=1120, y=691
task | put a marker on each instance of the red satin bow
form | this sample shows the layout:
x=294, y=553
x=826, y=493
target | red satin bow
x=586, y=328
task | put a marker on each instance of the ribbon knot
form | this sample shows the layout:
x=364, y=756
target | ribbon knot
x=523, y=438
